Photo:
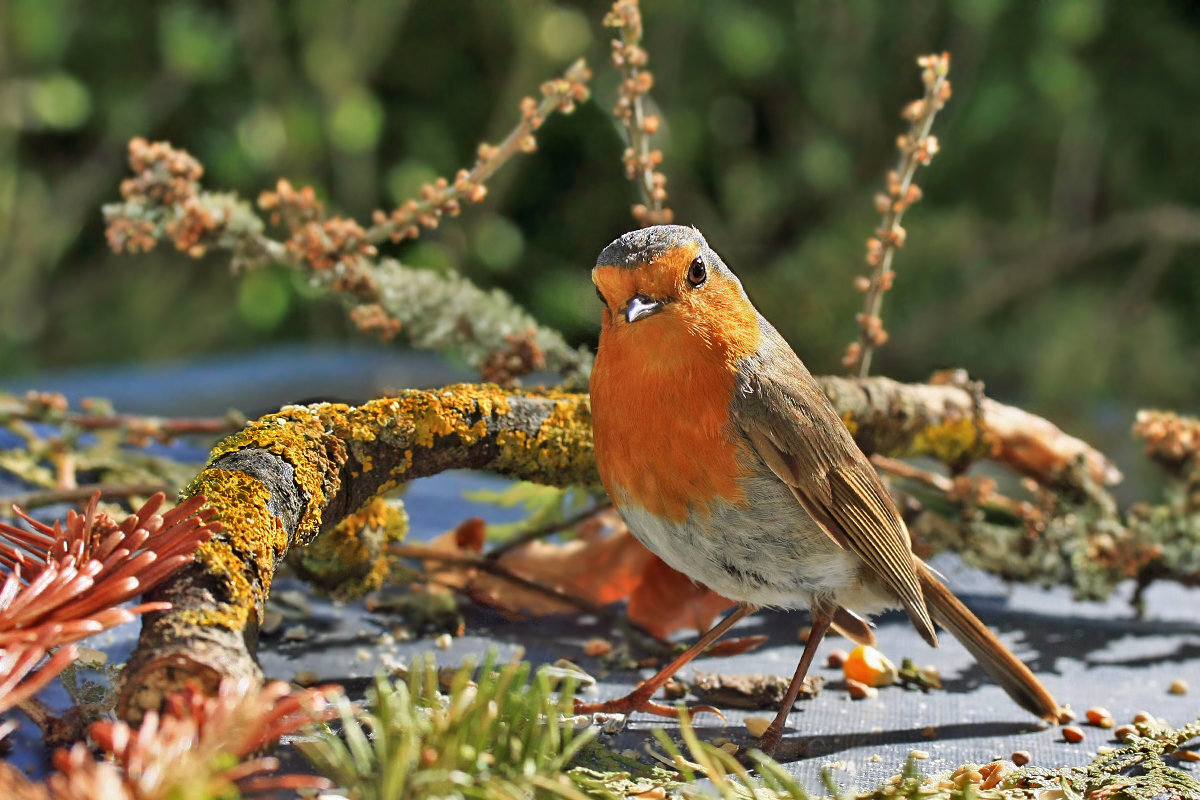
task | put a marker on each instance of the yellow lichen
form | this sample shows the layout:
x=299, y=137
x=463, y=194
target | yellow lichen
x=850, y=422
x=351, y=559
x=243, y=555
x=561, y=451
x=950, y=441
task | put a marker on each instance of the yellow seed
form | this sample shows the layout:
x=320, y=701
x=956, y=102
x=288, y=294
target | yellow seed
x=837, y=659
x=1143, y=716
x=859, y=690
x=757, y=726
x=1021, y=757
x=1097, y=714
x=1072, y=733
x=1178, y=686
x=1124, y=732
x=869, y=666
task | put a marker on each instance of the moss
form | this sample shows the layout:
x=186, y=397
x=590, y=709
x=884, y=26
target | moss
x=244, y=554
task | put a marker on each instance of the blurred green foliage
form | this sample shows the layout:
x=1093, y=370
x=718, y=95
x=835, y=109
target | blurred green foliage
x=1068, y=117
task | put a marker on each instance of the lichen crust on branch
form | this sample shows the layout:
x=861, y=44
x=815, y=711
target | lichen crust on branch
x=296, y=474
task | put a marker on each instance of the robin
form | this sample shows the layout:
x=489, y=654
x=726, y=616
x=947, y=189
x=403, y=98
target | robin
x=728, y=462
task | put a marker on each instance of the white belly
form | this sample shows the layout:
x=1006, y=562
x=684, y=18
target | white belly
x=768, y=553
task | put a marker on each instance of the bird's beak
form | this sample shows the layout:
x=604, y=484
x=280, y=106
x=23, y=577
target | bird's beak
x=640, y=307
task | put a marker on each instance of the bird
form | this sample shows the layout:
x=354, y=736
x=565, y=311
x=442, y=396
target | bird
x=727, y=461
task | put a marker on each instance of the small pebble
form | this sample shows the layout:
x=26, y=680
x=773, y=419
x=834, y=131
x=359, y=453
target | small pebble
x=1021, y=757
x=859, y=690
x=90, y=656
x=1072, y=733
x=1178, y=686
x=757, y=726
x=837, y=659
x=443, y=641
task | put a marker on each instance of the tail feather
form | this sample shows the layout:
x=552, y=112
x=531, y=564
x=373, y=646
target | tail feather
x=1006, y=669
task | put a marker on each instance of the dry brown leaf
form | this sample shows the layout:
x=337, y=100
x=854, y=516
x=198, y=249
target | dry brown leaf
x=603, y=565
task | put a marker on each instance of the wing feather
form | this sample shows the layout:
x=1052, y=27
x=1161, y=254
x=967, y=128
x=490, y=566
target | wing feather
x=795, y=431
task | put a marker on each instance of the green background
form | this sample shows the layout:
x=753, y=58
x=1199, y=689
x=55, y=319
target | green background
x=1053, y=255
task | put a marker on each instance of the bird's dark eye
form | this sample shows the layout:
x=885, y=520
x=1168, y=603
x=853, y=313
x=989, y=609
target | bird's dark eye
x=697, y=272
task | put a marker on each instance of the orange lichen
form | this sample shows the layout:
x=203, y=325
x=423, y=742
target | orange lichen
x=244, y=555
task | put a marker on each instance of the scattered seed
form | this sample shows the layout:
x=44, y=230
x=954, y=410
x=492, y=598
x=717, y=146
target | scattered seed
x=1187, y=755
x=443, y=641
x=1100, y=716
x=720, y=741
x=1072, y=733
x=837, y=659
x=730, y=747
x=929, y=732
x=295, y=633
x=653, y=793
x=306, y=677
x=675, y=690
x=1065, y=714
x=1123, y=733
x=875, y=758
x=866, y=664
x=597, y=647
x=859, y=690
x=1143, y=716
x=931, y=675
x=757, y=726
x=1178, y=686
x=1021, y=757
x=919, y=754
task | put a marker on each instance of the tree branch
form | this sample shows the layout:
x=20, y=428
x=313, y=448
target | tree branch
x=292, y=475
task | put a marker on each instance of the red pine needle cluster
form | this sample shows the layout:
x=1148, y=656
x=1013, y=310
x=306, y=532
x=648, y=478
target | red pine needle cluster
x=66, y=582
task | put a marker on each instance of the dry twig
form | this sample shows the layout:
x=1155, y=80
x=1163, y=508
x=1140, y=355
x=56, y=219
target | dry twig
x=916, y=147
x=641, y=162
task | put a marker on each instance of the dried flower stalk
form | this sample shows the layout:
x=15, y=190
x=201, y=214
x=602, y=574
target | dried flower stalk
x=640, y=160
x=65, y=582
x=916, y=148
x=444, y=198
x=165, y=201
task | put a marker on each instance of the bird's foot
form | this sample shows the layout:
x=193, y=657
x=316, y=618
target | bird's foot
x=638, y=700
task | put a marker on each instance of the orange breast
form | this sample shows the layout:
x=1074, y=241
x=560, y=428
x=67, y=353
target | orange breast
x=660, y=407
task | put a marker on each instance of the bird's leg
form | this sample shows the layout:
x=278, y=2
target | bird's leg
x=770, y=738
x=639, y=698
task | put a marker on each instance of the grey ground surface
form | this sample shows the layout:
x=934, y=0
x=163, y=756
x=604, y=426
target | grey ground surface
x=1087, y=653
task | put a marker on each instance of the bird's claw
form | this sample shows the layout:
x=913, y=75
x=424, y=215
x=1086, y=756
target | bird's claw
x=635, y=702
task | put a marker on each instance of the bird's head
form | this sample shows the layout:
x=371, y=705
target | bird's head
x=665, y=285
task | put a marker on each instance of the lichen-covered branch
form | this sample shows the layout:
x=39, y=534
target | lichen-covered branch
x=291, y=475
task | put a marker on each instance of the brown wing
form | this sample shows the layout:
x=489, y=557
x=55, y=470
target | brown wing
x=797, y=433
